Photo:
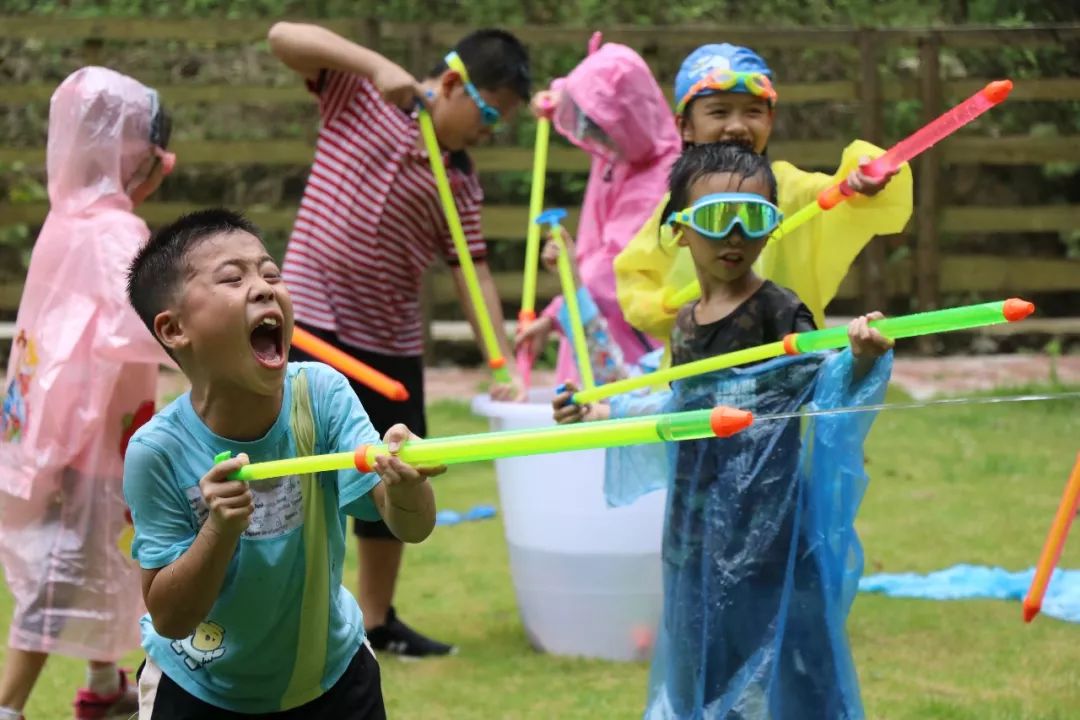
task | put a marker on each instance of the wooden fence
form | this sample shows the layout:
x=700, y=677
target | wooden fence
x=926, y=275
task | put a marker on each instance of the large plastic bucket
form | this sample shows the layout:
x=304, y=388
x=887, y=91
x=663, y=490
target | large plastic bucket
x=586, y=576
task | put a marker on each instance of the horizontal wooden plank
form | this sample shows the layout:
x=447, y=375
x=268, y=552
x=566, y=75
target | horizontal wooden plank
x=1040, y=89
x=1035, y=218
x=1001, y=276
x=187, y=94
x=561, y=158
x=499, y=221
x=135, y=29
x=508, y=222
x=1013, y=150
x=959, y=273
x=178, y=95
x=221, y=30
x=1033, y=89
x=980, y=273
x=444, y=292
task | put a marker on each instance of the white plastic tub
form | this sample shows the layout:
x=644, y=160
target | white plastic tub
x=586, y=576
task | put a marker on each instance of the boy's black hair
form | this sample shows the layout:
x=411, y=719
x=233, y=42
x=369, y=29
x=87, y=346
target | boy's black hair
x=158, y=269
x=697, y=161
x=495, y=60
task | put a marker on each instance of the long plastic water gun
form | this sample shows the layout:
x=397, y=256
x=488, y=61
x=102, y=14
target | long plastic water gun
x=925, y=323
x=345, y=363
x=487, y=331
x=532, y=242
x=721, y=421
x=1055, y=543
x=552, y=218
x=921, y=140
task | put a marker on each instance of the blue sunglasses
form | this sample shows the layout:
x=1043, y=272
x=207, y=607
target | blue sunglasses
x=488, y=115
x=714, y=216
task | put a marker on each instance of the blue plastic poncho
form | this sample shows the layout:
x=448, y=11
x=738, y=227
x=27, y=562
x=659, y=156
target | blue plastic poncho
x=760, y=557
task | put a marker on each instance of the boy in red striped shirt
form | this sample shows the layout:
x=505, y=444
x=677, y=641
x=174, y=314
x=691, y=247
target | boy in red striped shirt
x=370, y=223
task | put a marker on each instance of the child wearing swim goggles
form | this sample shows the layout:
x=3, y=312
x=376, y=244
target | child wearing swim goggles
x=752, y=621
x=726, y=93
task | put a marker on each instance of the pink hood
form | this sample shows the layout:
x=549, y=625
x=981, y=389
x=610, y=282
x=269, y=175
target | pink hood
x=616, y=89
x=99, y=133
x=81, y=354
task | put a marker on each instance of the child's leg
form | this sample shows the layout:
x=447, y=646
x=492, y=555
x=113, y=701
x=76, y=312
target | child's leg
x=108, y=693
x=21, y=671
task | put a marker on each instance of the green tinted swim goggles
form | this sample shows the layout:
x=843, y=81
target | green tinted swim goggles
x=716, y=215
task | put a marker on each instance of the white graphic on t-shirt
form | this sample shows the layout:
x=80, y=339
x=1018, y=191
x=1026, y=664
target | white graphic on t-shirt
x=203, y=646
x=279, y=507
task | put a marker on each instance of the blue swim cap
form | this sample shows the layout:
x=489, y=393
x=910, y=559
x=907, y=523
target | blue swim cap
x=708, y=58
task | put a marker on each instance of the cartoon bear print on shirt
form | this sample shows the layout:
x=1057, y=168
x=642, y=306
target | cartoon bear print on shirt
x=203, y=646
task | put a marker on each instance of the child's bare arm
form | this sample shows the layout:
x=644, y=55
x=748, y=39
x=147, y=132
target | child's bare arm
x=309, y=49
x=404, y=498
x=867, y=344
x=179, y=596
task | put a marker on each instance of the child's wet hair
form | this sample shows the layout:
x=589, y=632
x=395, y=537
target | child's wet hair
x=495, y=60
x=158, y=270
x=698, y=161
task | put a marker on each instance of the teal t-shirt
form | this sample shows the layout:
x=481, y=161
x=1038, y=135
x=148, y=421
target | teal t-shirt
x=283, y=629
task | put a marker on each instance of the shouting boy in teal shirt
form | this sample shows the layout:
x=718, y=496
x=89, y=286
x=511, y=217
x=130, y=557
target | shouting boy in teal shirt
x=247, y=613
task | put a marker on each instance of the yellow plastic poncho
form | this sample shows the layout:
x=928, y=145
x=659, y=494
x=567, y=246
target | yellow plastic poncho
x=812, y=261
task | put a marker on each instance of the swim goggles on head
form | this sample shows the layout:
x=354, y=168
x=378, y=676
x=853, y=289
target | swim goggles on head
x=714, y=216
x=755, y=83
x=488, y=115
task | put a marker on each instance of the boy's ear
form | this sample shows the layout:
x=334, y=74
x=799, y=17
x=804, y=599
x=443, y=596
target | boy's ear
x=680, y=238
x=686, y=128
x=448, y=81
x=169, y=331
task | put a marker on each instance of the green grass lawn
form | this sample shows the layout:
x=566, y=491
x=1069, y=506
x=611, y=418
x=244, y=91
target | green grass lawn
x=974, y=484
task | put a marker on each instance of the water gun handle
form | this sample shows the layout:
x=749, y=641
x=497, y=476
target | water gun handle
x=833, y=195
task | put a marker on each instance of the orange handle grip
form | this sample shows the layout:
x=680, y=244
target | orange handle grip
x=344, y=363
x=833, y=195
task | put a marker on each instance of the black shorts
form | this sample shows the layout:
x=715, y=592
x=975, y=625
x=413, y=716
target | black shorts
x=383, y=412
x=357, y=695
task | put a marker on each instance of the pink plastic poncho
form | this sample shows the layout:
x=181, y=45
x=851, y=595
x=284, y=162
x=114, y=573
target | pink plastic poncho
x=614, y=87
x=82, y=377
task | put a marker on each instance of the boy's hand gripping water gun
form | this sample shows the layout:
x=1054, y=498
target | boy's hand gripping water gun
x=532, y=239
x=483, y=320
x=926, y=137
x=926, y=323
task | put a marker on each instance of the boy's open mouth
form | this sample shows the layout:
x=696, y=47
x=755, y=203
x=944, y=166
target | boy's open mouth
x=266, y=343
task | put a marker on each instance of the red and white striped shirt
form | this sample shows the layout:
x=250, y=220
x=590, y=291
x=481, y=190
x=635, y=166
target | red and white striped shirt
x=370, y=221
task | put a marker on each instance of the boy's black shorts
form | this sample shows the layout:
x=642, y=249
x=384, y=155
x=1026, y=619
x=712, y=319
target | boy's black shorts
x=357, y=695
x=382, y=411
